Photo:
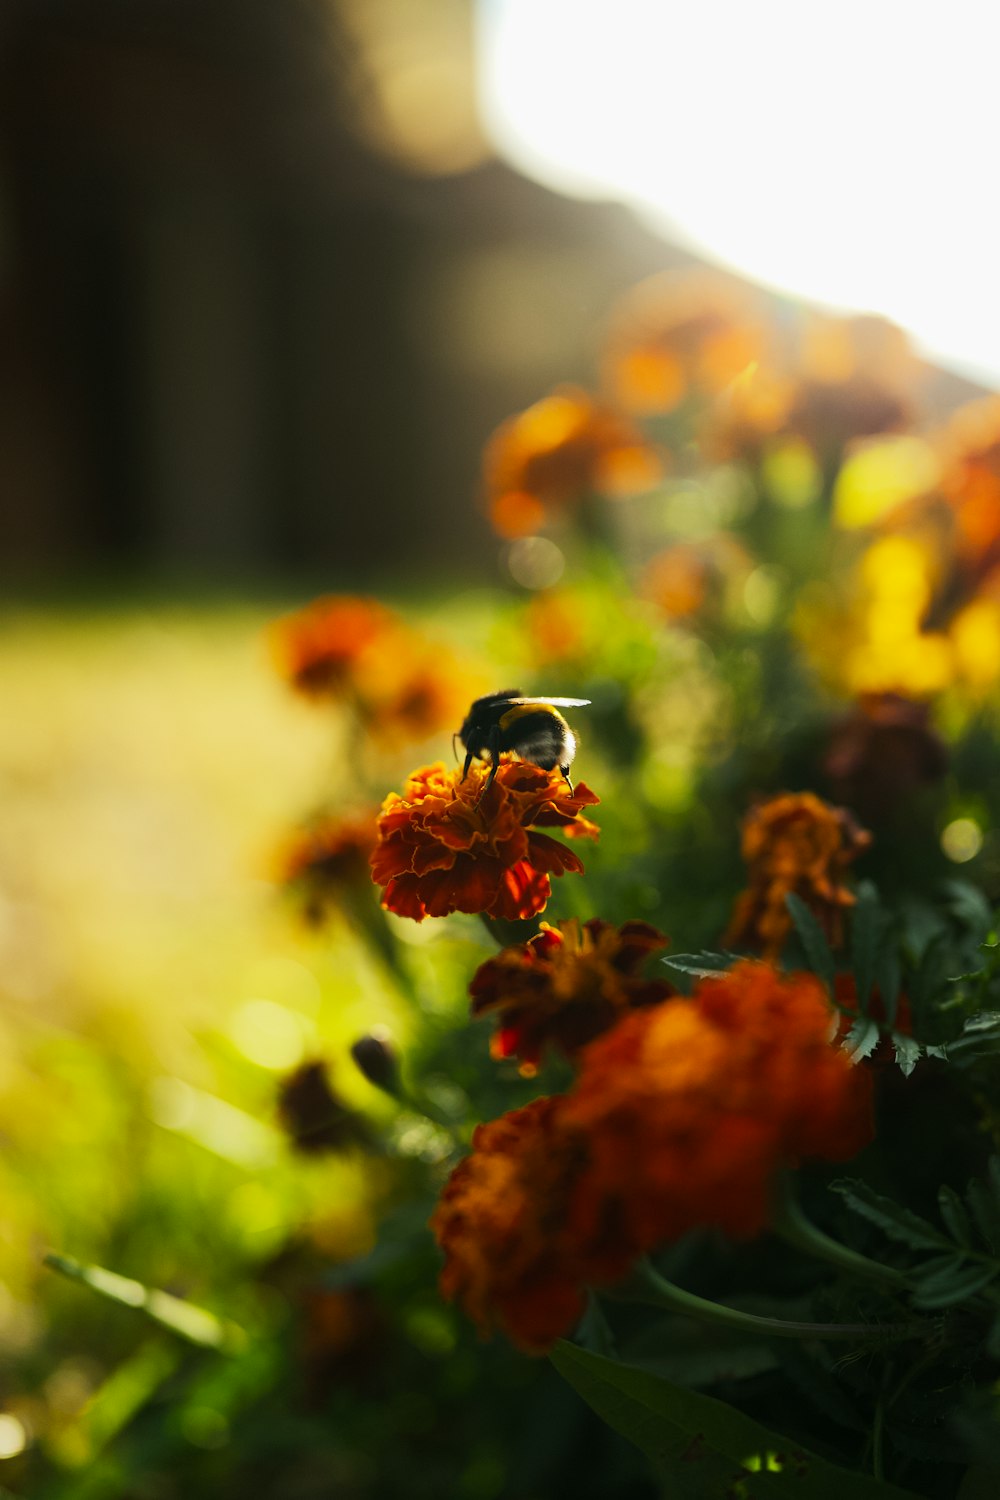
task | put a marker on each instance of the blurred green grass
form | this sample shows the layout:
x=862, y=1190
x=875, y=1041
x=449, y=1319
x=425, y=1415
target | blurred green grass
x=153, y=986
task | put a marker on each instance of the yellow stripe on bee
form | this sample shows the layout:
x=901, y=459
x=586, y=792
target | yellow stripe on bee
x=522, y=709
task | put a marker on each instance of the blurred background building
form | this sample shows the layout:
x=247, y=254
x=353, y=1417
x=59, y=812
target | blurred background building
x=265, y=288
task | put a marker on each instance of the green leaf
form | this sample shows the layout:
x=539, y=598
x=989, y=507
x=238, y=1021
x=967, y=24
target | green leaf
x=980, y=1037
x=969, y=905
x=701, y=965
x=593, y=1331
x=195, y=1324
x=862, y=1039
x=955, y=1217
x=907, y=1052
x=898, y=1223
x=993, y=1339
x=889, y=978
x=703, y=1448
x=813, y=940
x=954, y=1283
x=868, y=930
x=979, y=1482
x=983, y=1199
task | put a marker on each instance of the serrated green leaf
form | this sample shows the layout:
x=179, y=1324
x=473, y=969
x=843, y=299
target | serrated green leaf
x=895, y=1221
x=969, y=905
x=703, y=1448
x=868, y=931
x=907, y=1052
x=701, y=965
x=813, y=940
x=962, y=1281
x=862, y=1039
x=955, y=1217
x=980, y=1036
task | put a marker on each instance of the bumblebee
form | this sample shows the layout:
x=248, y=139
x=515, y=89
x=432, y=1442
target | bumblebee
x=530, y=727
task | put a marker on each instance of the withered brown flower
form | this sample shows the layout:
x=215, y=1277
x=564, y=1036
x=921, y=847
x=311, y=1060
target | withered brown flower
x=565, y=986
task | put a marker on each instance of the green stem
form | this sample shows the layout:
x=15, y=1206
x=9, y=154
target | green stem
x=877, y=1427
x=790, y=1224
x=648, y=1286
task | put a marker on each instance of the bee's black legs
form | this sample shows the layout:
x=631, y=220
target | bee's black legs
x=468, y=763
x=494, y=749
x=565, y=772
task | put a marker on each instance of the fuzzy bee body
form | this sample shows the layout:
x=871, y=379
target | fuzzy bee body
x=532, y=728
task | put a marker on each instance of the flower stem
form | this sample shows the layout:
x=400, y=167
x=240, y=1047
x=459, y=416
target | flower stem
x=790, y=1224
x=648, y=1286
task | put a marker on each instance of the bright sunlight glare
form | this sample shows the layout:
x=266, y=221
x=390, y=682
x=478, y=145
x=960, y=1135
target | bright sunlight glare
x=843, y=154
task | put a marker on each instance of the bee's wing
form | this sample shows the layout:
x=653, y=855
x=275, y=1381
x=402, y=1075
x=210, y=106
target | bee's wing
x=541, y=698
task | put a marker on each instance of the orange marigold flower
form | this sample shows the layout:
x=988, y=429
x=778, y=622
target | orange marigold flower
x=794, y=843
x=319, y=648
x=500, y=1223
x=327, y=859
x=452, y=844
x=557, y=451
x=680, y=1118
x=501, y=1226
x=565, y=986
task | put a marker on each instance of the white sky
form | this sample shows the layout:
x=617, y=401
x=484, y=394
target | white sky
x=845, y=152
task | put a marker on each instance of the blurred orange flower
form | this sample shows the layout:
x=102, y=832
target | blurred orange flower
x=679, y=334
x=565, y=986
x=858, y=376
x=960, y=517
x=403, y=686
x=677, y=580
x=690, y=1108
x=794, y=843
x=680, y=1118
x=329, y=857
x=557, y=451
x=557, y=626
x=415, y=690
x=841, y=379
x=452, y=844
x=320, y=648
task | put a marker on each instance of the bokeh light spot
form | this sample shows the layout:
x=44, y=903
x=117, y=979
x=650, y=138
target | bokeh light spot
x=268, y=1034
x=962, y=840
x=535, y=562
x=13, y=1435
